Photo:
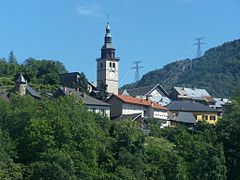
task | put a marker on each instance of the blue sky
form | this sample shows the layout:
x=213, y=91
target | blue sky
x=154, y=31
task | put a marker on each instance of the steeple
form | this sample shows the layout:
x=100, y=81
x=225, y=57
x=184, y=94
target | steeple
x=21, y=85
x=21, y=80
x=107, y=49
x=108, y=37
x=107, y=64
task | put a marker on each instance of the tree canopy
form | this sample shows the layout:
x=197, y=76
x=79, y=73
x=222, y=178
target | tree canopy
x=61, y=139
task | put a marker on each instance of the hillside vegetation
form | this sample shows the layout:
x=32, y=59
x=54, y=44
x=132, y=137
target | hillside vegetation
x=41, y=74
x=60, y=139
x=218, y=71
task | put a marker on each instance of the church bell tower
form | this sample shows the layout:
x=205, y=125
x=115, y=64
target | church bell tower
x=107, y=65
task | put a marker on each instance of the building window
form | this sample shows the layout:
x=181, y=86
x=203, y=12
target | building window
x=101, y=65
x=144, y=113
x=113, y=65
x=205, y=117
x=213, y=118
x=110, y=64
x=102, y=111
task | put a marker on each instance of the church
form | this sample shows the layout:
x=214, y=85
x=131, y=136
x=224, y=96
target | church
x=107, y=65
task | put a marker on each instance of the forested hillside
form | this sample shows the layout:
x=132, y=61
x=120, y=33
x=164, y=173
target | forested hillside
x=41, y=74
x=218, y=71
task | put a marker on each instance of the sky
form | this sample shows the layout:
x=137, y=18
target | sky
x=155, y=32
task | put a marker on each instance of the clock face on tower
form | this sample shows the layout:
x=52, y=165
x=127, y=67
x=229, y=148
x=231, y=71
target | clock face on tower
x=112, y=74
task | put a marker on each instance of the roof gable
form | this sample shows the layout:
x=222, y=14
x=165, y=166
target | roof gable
x=184, y=117
x=32, y=92
x=88, y=100
x=145, y=90
x=139, y=101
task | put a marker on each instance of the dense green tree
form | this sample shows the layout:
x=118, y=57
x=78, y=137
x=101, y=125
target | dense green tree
x=83, y=83
x=229, y=133
x=102, y=91
x=161, y=155
x=54, y=164
x=43, y=71
x=12, y=59
x=64, y=124
x=8, y=169
x=60, y=139
x=4, y=67
x=204, y=156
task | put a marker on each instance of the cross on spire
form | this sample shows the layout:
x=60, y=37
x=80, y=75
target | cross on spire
x=108, y=18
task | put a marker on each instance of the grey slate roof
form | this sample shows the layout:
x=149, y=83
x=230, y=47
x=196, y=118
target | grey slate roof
x=21, y=79
x=189, y=107
x=32, y=92
x=132, y=117
x=88, y=100
x=68, y=91
x=144, y=90
x=68, y=79
x=184, y=117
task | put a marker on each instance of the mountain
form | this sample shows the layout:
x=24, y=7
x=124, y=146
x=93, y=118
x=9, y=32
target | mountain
x=218, y=71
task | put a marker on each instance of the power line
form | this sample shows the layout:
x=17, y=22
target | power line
x=198, y=44
x=137, y=67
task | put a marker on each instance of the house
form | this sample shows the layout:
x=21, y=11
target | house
x=143, y=122
x=72, y=79
x=183, y=118
x=92, y=104
x=127, y=105
x=154, y=93
x=220, y=103
x=191, y=94
x=24, y=89
x=200, y=111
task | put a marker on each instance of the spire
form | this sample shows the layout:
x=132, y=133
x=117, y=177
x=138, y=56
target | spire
x=108, y=50
x=108, y=37
x=21, y=80
x=108, y=29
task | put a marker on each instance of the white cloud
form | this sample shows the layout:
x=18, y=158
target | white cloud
x=89, y=11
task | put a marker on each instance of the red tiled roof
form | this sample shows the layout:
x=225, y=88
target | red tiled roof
x=139, y=101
